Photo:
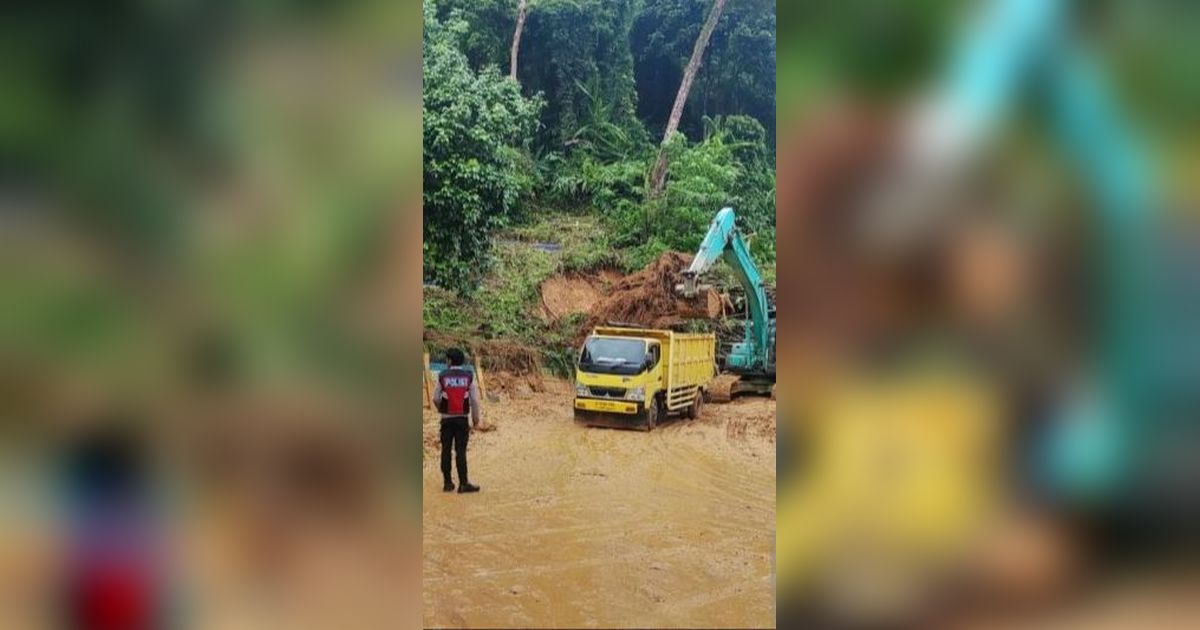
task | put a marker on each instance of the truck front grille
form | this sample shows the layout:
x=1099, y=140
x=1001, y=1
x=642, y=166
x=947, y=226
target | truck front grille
x=608, y=392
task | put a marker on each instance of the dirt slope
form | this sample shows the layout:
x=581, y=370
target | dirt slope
x=568, y=294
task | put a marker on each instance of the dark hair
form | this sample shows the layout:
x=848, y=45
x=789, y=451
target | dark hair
x=455, y=356
x=107, y=464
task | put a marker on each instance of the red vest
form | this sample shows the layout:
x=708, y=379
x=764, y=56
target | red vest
x=114, y=597
x=456, y=392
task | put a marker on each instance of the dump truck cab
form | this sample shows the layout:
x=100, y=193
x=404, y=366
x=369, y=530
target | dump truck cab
x=632, y=377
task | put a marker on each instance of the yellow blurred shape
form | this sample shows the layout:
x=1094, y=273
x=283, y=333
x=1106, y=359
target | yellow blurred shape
x=901, y=473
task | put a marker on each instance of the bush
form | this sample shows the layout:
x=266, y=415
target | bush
x=755, y=189
x=443, y=311
x=730, y=167
x=510, y=296
x=604, y=162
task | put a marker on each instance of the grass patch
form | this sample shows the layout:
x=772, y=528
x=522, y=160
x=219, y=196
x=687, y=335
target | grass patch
x=445, y=312
x=508, y=299
x=584, y=240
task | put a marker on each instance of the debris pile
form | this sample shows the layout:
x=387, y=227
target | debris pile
x=514, y=384
x=648, y=297
x=505, y=356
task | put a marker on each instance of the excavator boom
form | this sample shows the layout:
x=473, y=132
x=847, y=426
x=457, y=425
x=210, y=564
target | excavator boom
x=755, y=354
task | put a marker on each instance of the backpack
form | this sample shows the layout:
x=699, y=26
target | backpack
x=456, y=392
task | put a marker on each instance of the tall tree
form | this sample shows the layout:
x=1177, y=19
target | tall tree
x=658, y=176
x=736, y=77
x=516, y=44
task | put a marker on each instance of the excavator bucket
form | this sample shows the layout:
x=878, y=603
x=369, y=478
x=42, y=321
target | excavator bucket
x=720, y=389
x=690, y=288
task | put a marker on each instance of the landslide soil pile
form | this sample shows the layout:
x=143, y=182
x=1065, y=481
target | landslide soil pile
x=645, y=298
x=648, y=298
x=498, y=355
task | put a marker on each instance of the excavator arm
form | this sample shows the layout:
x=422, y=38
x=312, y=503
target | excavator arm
x=723, y=241
x=1016, y=49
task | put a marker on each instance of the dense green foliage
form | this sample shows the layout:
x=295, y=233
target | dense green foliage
x=738, y=73
x=491, y=23
x=575, y=52
x=475, y=124
x=596, y=81
x=731, y=166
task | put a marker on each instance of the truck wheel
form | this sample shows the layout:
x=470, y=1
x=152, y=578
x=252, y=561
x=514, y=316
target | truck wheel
x=693, y=410
x=651, y=415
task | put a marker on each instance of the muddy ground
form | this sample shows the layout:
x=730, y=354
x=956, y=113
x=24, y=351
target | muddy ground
x=579, y=527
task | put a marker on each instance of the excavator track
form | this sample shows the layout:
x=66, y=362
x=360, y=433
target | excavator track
x=720, y=389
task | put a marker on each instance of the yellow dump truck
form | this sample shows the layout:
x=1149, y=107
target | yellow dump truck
x=632, y=377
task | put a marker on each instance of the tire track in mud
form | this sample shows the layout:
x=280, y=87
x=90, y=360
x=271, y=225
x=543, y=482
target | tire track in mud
x=597, y=527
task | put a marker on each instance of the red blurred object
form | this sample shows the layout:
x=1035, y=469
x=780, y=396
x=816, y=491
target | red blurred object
x=114, y=596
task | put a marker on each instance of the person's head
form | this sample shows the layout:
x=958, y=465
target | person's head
x=455, y=356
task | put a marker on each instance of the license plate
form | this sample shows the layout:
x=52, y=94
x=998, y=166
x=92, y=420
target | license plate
x=606, y=405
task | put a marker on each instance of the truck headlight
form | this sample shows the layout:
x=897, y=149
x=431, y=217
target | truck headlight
x=581, y=390
x=636, y=393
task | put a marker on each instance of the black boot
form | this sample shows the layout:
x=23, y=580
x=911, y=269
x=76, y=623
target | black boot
x=467, y=486
x=447, y=486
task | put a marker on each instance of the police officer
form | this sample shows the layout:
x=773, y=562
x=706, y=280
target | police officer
x=457, y=395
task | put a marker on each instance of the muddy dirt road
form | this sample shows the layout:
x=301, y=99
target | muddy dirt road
x=580, y=527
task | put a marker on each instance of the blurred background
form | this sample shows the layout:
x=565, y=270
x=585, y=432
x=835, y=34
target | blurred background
x=988, y=245
x=209, y=331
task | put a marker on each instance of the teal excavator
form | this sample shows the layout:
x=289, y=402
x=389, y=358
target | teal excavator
x=747, y=366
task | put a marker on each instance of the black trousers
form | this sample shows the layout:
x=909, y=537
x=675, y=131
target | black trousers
x=455, y=432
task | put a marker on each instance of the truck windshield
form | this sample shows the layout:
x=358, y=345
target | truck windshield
x=606, y=355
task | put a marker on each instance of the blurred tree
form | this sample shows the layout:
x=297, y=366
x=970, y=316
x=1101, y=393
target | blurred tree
x=106, y=106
